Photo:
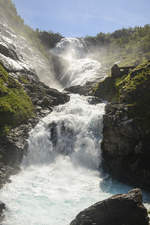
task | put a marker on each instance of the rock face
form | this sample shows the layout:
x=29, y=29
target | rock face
x=124, y=147
x=126, y=130
x=117, y=210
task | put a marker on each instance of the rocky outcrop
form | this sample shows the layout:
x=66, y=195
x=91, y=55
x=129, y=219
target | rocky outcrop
x=106, y=89
x=116, y=210
x=126, y=130
x=117, y=72
x=81, y=89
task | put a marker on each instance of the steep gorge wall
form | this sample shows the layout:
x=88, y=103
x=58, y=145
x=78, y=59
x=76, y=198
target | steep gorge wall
x=126, y=131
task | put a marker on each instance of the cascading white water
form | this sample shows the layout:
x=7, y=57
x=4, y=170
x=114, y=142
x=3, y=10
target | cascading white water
x=80, y=67
x=60, y=175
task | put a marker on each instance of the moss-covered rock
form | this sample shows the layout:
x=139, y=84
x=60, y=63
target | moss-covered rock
x=15, y=104
x=134, y=90
x=106, y=90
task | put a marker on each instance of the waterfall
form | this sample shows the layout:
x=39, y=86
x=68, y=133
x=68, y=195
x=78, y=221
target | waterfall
x=73, y=129
x=60, y=175
x=80, y=66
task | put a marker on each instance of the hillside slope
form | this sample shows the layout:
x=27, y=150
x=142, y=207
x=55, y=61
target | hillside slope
x=24, y=39
x=129, y=46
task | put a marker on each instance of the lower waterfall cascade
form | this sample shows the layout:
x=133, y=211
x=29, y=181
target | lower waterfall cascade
x=60, y=174
x=59, y=177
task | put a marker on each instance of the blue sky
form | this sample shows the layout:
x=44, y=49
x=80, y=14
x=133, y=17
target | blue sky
x=83, y=17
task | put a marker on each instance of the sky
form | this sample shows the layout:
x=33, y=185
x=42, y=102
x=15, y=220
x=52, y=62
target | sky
x=78, y=18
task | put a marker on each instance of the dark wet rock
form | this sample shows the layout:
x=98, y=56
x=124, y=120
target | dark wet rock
x=62, y=137
x=2, y=208
x=81, y=89
x=8, y=52
x=125, y=146
x=44, y=96
x=116, y=210
x=115, y=71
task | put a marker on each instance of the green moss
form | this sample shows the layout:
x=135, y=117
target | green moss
x=15, y=105
x=133, y=90
x=23, y=79
x=120, y=80
x=135, y=78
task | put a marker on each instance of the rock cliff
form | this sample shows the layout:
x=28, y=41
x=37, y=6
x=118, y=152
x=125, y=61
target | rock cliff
x=126, y=131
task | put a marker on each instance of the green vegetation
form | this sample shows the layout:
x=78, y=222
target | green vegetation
x=134, y=90
x=125, y=46
x=23, y=79
x=136, y=79
x=15, y=105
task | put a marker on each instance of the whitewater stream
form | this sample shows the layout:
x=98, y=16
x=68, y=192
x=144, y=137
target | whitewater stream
x=61, y=175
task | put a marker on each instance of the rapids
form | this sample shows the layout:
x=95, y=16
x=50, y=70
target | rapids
x=59, y=178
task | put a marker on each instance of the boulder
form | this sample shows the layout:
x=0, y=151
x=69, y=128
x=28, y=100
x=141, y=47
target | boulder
x=115, y=71
x=85, y=89
x=78, y=89
x=119, y=209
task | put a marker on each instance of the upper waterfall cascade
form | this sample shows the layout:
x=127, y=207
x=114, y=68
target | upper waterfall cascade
x=80, y=67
